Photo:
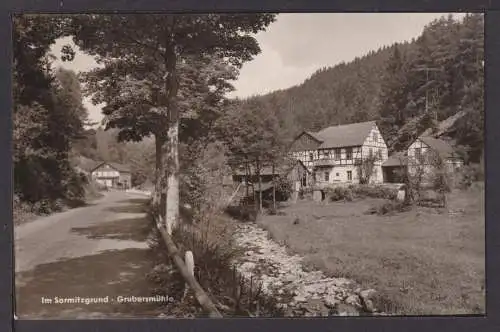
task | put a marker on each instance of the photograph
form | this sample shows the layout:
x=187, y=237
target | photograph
x=236, y=165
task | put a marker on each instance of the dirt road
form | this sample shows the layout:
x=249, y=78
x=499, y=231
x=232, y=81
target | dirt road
x=86, y=263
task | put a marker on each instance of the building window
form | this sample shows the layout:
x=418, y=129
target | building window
x=349, y=175
x=337, y=175
x=379, y=154
x=348, y=153
x=375, y=137
x=327, y=176
x=370, y=152
x=337, y=154
x=311, y=156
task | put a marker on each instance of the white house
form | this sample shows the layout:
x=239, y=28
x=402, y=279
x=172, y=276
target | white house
x=333, y=154
x=419, y=155
x=112, y=175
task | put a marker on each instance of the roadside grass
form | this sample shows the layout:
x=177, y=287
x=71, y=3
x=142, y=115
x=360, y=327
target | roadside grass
x=422, y=262
x=210, y=238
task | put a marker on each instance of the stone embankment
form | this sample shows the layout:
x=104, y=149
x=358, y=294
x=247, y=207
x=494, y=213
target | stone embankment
x=300, y=291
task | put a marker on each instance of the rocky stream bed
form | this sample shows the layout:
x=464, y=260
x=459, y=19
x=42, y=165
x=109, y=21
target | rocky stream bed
x=300, y=291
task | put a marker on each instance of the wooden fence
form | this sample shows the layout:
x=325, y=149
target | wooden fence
x=186, y=269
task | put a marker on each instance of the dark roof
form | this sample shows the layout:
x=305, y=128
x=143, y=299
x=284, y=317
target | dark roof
x=117, y=166
x=314, y=135
x=396, y=159
x=353, y=134
x=83, y=163
x=445, y=125
x=439, y=145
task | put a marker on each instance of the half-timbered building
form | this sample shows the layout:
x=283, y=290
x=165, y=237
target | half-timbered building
x=112, y=175
x=333, y=155
x=422, y=154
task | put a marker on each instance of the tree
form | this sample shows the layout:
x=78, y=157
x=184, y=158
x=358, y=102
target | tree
x=170, y=40
x=47, y=113
x=365, y=169
x=394, y=95
x=253, y=136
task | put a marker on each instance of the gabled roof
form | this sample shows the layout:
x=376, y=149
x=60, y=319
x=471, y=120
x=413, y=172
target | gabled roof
x=442, y=147
x=85, y=164
x=353, y=134
x=445, y=125
x=116, y=166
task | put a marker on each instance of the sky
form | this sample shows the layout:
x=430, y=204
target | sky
x=296, y=45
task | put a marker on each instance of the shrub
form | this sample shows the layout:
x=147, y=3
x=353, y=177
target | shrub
x=42, y=207
x=375, y=191
x=305, y=193
x=58, y=205
x=22, y=211
x=470, y=174
x=389, y=207
x=211, y=241
x=339, y=194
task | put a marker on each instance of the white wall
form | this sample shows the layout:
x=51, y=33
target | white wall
x=376, y=143
x=106, y=174
x=373, y=141
x=338, y=174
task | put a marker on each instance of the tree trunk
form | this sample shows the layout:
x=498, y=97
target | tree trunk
x=247, y=175
x=260, y=186
x=274, y=191
x=172, y=194
x=253, y=188
x=159, y=142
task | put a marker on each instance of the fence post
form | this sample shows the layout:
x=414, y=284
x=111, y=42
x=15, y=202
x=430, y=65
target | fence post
x=189, y=261
x=188, y=275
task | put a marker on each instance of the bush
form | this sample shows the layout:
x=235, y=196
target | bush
x=305, y=193
x=470, y=174
x=339, y=194
x=243, y=212
x=388, y=208
x=42, y=207
x=22, y=211
x=375, y=191
x=211, y=241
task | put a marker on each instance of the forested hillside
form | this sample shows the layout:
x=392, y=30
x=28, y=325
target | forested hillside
x=444, y=66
